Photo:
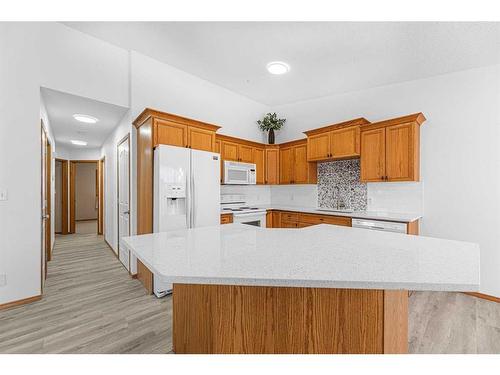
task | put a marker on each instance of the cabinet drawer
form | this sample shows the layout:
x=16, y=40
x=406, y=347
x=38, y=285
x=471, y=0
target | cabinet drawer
x=289, y=224
x=289, y=216
x=226, y=218
x=325, y=219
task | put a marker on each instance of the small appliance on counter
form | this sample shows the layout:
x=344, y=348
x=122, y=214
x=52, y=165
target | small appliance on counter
x=242, y=213
x=186, y=193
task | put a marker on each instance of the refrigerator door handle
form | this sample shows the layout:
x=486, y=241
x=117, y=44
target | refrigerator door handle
x=193, y=205
x=188, y=205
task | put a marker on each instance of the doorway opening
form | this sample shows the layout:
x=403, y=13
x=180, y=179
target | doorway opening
x=84, y=196
x=123, y=196
x=61, y=196
x=46, y=202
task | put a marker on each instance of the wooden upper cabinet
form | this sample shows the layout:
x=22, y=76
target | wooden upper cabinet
x=345, y=142
x=400, y=144
x=171, y=133
x=173, y=130
x=318, y=146
x=390, y=149
x=373, y=155
x=258, y=156
x=286, y=165
x=336, y=141
x=229, y=150
x=272, y=162
x=301, y=166
x=201, y=139
x=294, y=167
x=245, y=154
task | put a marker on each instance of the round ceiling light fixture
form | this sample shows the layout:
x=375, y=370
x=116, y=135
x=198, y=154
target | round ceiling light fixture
x=278, y=67
x=85, y=118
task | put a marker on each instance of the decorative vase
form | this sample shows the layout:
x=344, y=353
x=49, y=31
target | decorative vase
x=271, y=137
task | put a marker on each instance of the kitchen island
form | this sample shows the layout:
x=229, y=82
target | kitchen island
x=320, y=289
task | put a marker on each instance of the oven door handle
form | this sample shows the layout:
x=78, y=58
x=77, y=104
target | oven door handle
x=248, y=214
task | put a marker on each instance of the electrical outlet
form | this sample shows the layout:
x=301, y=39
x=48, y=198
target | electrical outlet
x=3, y=279
x=3, y=195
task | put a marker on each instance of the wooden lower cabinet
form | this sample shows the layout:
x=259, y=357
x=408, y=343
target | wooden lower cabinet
x=289, y=219
x=235, y=319
x=314, y=219
x=226, y=218
x=145, y=276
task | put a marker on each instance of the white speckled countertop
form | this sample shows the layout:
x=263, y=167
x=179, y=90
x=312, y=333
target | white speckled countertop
x=326, y=256
x=402, y=217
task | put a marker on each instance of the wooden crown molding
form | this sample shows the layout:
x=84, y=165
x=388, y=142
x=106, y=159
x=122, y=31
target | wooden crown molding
x=355, y=122
x=293, y=143
x=149, y=113
x=418, y=118
x=223, y=137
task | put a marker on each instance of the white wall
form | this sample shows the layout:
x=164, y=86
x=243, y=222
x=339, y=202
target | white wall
x=460, y=162
x=160, y=86
x=77, y=153
x=34, y=55
x=109, y=151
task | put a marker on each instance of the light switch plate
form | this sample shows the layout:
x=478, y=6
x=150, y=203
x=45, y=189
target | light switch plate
x=3, y=279
x=3, y=194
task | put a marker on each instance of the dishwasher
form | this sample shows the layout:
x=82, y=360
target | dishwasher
x=384, y=226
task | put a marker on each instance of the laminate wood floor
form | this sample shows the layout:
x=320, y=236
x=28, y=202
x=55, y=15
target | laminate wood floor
x=92, y=305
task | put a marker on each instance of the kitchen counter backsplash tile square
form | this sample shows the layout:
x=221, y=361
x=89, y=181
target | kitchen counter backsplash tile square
x=339, y=181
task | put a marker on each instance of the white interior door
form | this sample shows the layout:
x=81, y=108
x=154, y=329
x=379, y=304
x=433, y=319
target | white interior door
x=123, y=199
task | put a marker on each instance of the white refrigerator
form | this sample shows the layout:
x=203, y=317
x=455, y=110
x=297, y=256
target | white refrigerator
x=186, y=193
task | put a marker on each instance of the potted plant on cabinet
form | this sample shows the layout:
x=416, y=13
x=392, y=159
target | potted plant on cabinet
x=270, y=123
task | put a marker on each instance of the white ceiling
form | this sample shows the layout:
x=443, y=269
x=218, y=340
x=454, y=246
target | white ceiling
x=62, y=106
x=325, y=57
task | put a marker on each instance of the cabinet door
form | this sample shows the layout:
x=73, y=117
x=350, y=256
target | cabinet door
x=229, y=151
x=258, y=158
x=170, y=133
x=373, y=155
x=272, y=167
x=300, y=165
x=286, y=165
x=276, y=220
x=201, y=139
x=245, y=154
x=318, y=146
x=345, y=142
x=400, y=152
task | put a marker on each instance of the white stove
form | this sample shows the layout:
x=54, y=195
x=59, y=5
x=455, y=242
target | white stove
x=243, y=213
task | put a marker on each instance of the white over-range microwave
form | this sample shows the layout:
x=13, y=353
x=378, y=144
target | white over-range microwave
x=237, y=173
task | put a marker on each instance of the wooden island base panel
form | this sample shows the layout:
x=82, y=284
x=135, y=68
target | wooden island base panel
x=229, y=319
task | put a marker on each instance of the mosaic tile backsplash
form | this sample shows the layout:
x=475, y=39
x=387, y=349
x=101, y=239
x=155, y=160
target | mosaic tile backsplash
x=338, y=183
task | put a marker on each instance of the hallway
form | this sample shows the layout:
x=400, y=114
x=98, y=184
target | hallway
x=90, y=305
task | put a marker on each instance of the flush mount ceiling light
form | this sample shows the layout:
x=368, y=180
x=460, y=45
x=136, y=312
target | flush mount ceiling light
x=278, y=67
x=85, y=118
x=79, y=143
